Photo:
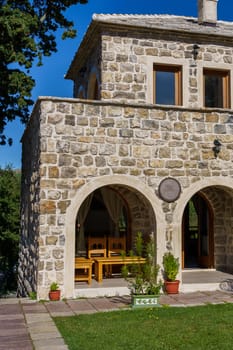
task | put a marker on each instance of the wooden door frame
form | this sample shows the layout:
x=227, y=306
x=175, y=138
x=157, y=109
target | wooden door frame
x=210, y=231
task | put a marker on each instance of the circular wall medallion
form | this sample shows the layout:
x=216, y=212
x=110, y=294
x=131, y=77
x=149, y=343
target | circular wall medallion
x=169, y=189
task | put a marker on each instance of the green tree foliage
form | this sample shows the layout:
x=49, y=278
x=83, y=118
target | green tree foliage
x=9, y=226
x=27, y=33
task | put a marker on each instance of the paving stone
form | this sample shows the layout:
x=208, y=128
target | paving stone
x=12, y=324
x=11, y=317
x=44, y=328
x=81, y=306
x=42, y=325
x=9, y=301
x=34, y=318
x=59, y=308
x=62, y=314
x=9, y=309
x=52, y=347
x=27, y=301
x=23, y=345
x=11, y=332
x=33, y=308
x=102, y=304
x=49, y=342
x=44, y=336
x=120, y=302
x=168, y=300
x=14, y=338
x=16, y=342
x=226, y=298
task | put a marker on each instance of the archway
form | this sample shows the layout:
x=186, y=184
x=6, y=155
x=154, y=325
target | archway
x=128, y=186
x=218, y=195
x=104, y=213
x=197, y=237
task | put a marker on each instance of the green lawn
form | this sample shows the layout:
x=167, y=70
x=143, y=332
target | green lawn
x=171, y=328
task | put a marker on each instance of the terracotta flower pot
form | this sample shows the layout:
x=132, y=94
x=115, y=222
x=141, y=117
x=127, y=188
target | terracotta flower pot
x=172, y=287
x=54, y=295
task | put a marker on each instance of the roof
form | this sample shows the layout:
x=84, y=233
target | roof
x=166, y=23
x=181, y=23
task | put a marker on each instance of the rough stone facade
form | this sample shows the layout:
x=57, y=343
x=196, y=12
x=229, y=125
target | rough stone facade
x=74, y=146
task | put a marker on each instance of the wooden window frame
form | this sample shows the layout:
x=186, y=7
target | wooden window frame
x=225, y=75
x=178, y=80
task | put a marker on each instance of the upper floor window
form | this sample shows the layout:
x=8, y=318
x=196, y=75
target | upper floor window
x=216, y=88
x=167, y=85
x=93, y=87
x=81, y=93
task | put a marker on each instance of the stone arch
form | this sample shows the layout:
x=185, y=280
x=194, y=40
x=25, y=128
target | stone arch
x=132, y=184
x=187, y=193
x=219, y=193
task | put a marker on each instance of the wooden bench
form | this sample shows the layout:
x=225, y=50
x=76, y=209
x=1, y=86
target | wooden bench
x=114, y=260
x=85, y=265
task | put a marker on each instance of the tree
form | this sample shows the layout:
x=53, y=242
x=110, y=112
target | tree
x=27, y=33
x=9, y=226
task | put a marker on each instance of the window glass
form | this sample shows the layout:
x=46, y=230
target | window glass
x=213, y=91
x=167, y=85
x=216, y=88
x=165, y=88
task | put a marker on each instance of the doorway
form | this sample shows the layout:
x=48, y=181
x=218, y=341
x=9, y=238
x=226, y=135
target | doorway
x=197, y=238
x=104, y=213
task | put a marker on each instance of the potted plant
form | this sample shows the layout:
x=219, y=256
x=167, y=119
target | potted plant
x=54, y=293
x=171, y=268
x=143, y=274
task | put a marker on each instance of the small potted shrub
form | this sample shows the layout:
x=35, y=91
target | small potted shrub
x=142, y=278
x=171, y=268
x=54, y=293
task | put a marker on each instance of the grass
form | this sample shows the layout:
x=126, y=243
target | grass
x=166, y=328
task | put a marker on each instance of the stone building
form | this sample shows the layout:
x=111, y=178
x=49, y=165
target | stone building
x=150, y=129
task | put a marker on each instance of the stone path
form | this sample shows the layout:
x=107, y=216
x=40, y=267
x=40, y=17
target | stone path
x=28, y=325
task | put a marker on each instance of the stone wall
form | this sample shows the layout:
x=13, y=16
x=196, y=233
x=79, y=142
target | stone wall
x=127, y=65
x=30, y=203
x=82, y=140
x=127, y=58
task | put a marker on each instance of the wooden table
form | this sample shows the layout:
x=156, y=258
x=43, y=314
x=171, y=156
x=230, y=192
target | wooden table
x=117, y=260
x=86, y=265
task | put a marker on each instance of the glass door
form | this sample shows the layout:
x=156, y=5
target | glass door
x=197, y=234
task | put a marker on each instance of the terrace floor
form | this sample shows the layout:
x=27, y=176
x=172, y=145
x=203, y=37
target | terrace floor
x=193, y=280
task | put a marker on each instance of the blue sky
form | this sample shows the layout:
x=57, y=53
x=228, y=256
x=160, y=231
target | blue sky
x=50, y=77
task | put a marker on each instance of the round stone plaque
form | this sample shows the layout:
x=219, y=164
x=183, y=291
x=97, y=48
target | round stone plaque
x=169, y=189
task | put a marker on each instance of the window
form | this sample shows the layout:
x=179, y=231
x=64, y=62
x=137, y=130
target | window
x=81, y=93
x=167, y=85
x=93, y=88
x=216, y=88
